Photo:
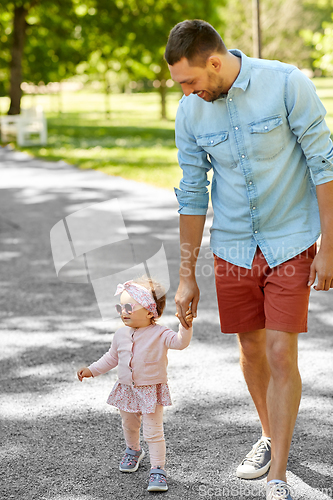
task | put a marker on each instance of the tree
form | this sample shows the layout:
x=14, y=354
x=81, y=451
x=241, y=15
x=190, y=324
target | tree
x=282, y=22
x=131, y=35
x=19, y=11
x=320, y=40
x=50, y=39
x=150, y=21
x=324, y=55
x=42, y=42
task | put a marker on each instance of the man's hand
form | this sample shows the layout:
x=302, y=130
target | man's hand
x=322, y=266
x=187, y=298
x=188, y=317
x=83, y=373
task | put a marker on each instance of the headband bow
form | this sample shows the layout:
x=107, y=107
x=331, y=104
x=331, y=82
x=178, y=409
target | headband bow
x=140, y=294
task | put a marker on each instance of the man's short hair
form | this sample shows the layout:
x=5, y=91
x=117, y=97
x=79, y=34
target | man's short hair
x=194, y=39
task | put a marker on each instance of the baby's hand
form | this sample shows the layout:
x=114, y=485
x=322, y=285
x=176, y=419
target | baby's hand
x=83, y=373
x=188, y=317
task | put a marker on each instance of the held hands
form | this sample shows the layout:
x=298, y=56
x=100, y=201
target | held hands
x=188, y=317
x=83, y=373
x=186, y=299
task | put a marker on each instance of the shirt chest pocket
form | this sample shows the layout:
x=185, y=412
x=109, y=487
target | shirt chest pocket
x=218, y=147
x=267, y=138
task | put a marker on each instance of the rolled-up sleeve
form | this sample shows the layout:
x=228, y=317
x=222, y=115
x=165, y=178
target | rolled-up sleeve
x=192, y=195
x=306, y=115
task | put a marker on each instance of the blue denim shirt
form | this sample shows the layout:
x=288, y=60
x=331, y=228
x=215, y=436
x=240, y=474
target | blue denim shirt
x=269, y=146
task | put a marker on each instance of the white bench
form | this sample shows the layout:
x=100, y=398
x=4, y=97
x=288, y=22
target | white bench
x=29, y=127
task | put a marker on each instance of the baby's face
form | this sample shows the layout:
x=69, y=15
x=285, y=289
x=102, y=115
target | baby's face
x=139, y=318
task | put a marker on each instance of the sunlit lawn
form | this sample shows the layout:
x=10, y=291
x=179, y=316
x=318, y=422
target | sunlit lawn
x=132, y=142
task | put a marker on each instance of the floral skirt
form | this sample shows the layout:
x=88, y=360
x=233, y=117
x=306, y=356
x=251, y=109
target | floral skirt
x=143, y=398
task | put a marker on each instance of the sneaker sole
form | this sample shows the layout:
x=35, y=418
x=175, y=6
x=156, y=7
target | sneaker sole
x=255, y=474
x=157, y=488
x=137, y=465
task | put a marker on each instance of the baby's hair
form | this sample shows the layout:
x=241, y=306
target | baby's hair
x=156, y=289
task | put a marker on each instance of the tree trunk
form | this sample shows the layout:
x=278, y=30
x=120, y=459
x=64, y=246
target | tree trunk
x=19, y=31
x=162, y=76
x=163, y=92
x=256, y=28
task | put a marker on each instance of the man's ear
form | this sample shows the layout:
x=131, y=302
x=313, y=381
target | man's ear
x=214, y=62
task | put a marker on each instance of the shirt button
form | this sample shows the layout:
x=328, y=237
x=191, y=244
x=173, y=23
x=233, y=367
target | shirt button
x=250, y=183
x=243, y=156
x=236, y=128
x=266, y=128
x=255, y=232
x=211, y=142
x=230, y=99
x=254, y=208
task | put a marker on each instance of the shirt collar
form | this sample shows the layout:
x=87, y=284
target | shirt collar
x=244, y=75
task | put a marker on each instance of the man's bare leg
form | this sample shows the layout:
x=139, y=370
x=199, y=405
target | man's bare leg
x=283, y=397
x=253, y=362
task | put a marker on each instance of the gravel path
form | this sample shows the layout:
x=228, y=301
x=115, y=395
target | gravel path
x=59, y=439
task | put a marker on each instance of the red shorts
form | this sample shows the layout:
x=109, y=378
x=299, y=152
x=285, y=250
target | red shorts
x=261, y=297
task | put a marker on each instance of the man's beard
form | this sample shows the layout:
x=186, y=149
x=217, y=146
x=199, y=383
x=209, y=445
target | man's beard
x=216, y=90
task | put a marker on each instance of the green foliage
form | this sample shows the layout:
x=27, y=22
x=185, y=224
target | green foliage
x=5, y=32
x=97, y=39
x=53, y=46
x=281, y=24
x=131, y=35
x=318, y=36
x=320, y=41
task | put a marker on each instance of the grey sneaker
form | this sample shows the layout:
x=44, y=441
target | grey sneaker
x=157, y=480
x=278, y=490
x=131, y=460
x=257, y=462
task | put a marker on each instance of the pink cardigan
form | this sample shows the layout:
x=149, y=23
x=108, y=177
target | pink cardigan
x=141, y=354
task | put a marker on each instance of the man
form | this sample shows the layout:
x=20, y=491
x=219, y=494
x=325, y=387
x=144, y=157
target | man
x=260, y=126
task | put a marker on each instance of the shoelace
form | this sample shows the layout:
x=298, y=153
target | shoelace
x=128, y=459
x=157, y=477
x=263, y=444
x=279, y=491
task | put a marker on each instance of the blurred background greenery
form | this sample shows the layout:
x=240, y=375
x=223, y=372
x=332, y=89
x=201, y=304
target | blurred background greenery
x=97, y=68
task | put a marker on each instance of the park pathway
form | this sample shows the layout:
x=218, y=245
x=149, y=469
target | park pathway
x=59, y=440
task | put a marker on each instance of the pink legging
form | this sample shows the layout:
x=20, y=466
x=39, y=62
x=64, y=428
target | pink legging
x=152, y=432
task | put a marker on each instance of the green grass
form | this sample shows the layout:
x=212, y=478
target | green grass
x=133, y=142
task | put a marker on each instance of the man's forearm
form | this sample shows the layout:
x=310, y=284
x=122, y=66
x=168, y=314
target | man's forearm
x=325, y=203
x=322, y=265
x=191, y=230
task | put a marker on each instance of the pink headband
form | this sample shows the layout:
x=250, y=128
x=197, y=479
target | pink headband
x=140, y=294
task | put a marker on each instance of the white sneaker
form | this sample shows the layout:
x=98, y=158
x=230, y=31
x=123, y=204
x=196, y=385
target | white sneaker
x=257, y=462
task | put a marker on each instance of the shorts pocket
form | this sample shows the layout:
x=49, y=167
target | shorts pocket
x=267, y=137
x=217, y=145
